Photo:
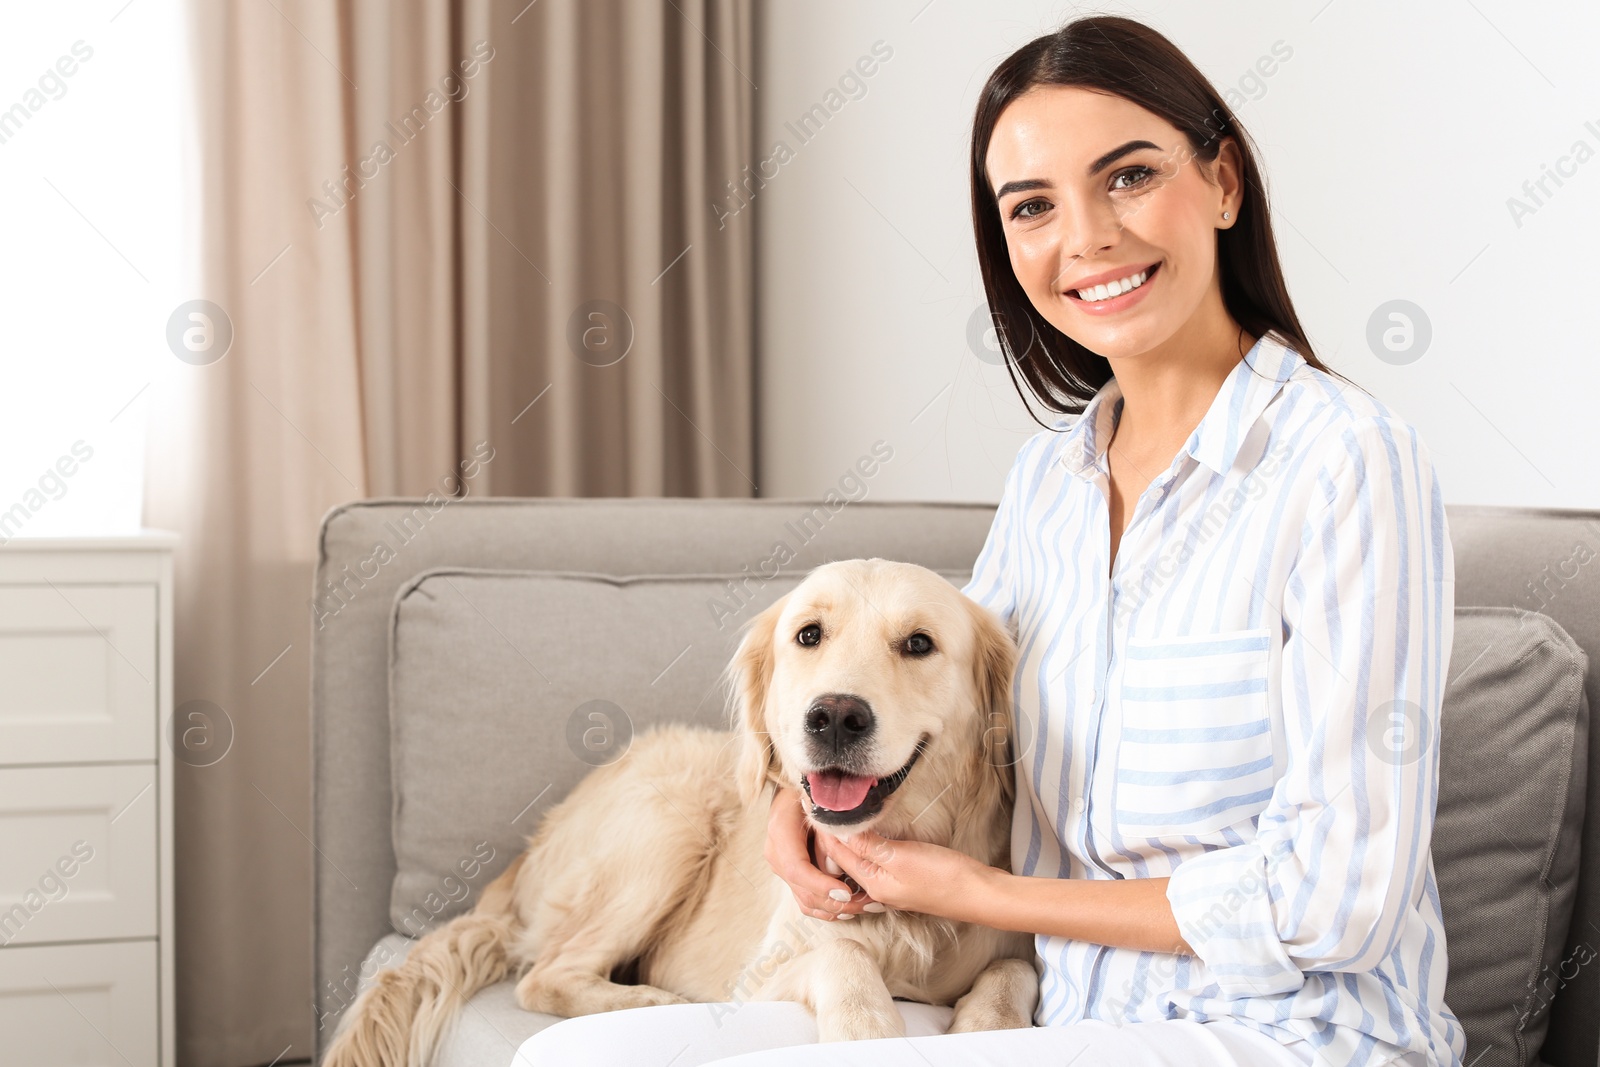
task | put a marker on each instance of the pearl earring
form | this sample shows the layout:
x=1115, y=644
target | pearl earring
x=1224, y=216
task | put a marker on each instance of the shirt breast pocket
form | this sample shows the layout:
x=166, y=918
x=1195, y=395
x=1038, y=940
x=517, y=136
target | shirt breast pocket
x=1195, y=754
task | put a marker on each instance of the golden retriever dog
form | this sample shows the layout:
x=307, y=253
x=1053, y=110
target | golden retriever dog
x=876, y=689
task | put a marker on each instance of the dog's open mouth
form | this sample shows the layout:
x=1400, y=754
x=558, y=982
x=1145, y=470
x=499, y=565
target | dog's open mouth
x=839, y=798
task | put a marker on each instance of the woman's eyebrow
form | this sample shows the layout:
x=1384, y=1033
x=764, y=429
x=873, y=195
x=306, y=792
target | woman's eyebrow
x=1117, y=153
x=1022, y=186
x=1094, y=168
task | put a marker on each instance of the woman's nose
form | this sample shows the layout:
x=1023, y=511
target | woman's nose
x=1086, y=227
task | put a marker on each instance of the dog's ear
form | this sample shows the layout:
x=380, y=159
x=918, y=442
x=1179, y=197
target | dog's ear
x=994, y=666
x=749, y=678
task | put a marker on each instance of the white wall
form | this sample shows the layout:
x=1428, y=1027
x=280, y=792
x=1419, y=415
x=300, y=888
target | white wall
x=1392, y=139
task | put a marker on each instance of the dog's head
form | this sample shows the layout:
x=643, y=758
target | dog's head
x=875, y=688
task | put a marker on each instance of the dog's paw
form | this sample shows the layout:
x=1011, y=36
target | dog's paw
x=989, y=1017
x=648, y=996
x=570, y=994
x=1002, y=998
x=860, y=1022
x=531, y=994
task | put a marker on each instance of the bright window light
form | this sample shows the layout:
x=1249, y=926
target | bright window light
x=96, y=153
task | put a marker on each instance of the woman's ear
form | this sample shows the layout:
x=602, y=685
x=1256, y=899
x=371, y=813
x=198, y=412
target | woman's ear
x=749, y=678
x=994, y=667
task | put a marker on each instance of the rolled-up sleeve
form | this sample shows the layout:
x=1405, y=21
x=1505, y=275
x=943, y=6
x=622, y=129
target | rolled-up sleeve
x=1341, y=850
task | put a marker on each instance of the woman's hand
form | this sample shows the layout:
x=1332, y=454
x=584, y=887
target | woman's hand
x=912, y=875
x=788, y=853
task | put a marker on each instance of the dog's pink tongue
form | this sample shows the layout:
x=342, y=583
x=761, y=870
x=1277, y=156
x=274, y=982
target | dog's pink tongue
x=838, y=791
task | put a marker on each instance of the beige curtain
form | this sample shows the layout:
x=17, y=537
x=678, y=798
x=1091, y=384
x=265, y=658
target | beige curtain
x=438, y=229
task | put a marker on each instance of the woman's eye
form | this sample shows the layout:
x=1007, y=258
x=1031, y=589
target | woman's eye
x=1143, y=174
x=919, y=644
x=809, y=635
x=1021, y=212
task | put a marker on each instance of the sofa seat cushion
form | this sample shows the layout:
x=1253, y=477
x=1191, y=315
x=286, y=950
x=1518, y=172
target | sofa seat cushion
x=488, y=1032
x=1508, y=829
x=506, y=687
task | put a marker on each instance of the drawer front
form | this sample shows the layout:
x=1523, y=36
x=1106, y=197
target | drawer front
x=77, y=853
x=79, y=663
x=80, y=1005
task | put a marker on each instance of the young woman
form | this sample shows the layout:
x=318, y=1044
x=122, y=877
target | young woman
x=1231, y=580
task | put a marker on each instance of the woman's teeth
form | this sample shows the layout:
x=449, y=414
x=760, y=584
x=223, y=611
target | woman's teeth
x=1106, y=292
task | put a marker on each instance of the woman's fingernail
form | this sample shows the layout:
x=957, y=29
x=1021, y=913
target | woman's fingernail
x=873, y=907
x=831, y=865
x=847, y=915
x=841, y=895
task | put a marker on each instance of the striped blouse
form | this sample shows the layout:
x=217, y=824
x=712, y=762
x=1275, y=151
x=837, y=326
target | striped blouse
x=1247, y=703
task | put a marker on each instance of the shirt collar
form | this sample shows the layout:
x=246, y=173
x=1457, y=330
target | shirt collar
x=1215, y=442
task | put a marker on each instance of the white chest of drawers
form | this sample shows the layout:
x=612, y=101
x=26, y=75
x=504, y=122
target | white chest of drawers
x=86, y=801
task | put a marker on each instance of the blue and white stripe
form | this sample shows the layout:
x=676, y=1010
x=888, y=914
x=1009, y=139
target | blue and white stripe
x=1248, y=704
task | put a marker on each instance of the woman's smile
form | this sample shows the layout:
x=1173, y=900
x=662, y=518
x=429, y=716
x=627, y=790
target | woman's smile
x=1103, y=303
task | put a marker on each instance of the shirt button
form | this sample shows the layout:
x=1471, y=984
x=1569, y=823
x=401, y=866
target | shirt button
x=1077, y=805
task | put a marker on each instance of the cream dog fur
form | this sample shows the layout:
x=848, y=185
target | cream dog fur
x=873, y=686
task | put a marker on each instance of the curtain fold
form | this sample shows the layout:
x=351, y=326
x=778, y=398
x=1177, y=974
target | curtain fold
x=436, y=226
x=618, y=135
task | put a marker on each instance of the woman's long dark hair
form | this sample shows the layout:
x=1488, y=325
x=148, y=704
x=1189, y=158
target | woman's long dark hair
x=1125, y=58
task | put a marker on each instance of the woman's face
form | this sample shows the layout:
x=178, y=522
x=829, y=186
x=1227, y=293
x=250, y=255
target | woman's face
x=1081, y=194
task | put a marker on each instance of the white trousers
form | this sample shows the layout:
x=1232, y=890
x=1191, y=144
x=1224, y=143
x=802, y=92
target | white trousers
x=784, y=1034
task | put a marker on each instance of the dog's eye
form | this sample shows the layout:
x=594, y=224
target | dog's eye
x=919, y=644
x=809, y=635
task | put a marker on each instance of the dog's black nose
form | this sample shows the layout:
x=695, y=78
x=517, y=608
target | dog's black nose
x=836, y=721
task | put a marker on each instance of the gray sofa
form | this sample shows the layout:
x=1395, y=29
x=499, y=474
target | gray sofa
x=472, y=659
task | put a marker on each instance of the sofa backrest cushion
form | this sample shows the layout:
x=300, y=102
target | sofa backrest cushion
x=1508, y=829
x=506, y=687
